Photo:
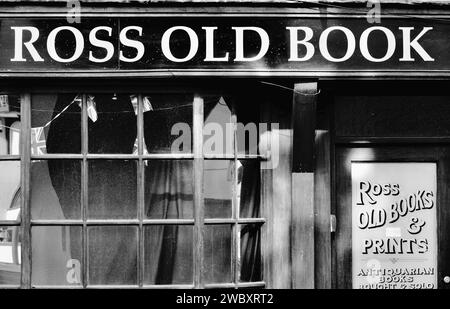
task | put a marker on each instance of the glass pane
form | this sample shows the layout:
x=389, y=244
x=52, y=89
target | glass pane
x=169, y=189
x=112, y=189
x=248, y=125
x=10, y=193
x=250, y=257
x=168, y=123
x=112, y=123
x=10, y=255
x=217, y=253
x=248, y=188
x=9, y=124
x=55, y=123
x=168, y=254
x=218, y=188
x=56, y=189
x=218, y=132
x=112, y=255
x=57, y=255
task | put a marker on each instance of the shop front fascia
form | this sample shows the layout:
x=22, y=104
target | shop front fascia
x=110, y=124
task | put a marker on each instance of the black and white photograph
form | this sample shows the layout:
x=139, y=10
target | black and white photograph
x=246, y=146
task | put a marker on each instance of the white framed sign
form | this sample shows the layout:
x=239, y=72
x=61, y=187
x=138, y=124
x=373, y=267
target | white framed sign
x=394, y=225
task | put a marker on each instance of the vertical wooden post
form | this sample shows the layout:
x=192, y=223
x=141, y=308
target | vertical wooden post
x=25, y=155
x=141, y=189
x=84, y=190
x=278, y=201
x=198, y=189
x=322, y=207
x=302, y=233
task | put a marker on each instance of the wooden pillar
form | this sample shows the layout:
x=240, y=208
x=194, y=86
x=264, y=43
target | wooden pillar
x=302, y=233
x=276, y=187
x=322, y=211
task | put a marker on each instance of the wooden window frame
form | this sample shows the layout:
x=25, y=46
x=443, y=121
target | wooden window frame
x=198, y=222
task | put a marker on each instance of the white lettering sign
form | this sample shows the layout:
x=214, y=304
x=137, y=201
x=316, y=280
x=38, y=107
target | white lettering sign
x=394, y=228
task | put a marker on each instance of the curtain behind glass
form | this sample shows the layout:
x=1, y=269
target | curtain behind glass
x=168, y=192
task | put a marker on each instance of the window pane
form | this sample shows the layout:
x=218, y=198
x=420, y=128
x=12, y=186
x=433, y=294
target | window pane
x=218, y=188
x=250, y=257
x=9, y=124
x=56, y=189
x=10, y=255
x=218, y=131
x=56, y=252
x=10, y=193
x=168, y=254
x=112, y=123
x=112, y=255
x=248, y=124
x=249, y=186
x=55, y=123
x=112, y=189
x=168, y=123
x=169, y=189
x=217, y=253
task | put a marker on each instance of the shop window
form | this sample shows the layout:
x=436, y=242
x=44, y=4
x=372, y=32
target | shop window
x=134, y=190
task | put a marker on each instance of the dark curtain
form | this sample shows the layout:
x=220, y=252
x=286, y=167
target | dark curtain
x=168, y=193
x=168, y=187
x=112, y=184
x=247, y=109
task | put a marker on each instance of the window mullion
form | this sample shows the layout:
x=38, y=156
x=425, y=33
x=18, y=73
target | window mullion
x=84, y=188
x=25, y=171
x=140, y=190
x=198, y=105
x=235, y=239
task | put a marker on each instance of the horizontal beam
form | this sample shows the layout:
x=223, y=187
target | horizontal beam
x=335, y=74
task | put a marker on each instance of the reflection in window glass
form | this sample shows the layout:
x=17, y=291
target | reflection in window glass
x=55, y=123
x=250, y=253
x=10, y=255
x=10, y=194
x=112, y=123
x=249, y=126
x=169, y=189
x=112, y=255
x=9, y=124
x=218, y=188
x=217, y=248
x=218, y=130
x=112, y=189
x=168, y=123
x=57, y=256
x=56, y=189
x=248, y=188
x=168, y=254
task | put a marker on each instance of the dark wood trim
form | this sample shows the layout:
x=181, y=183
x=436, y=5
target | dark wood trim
x=304, y=126
x=229, y=73
x=183, y=9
